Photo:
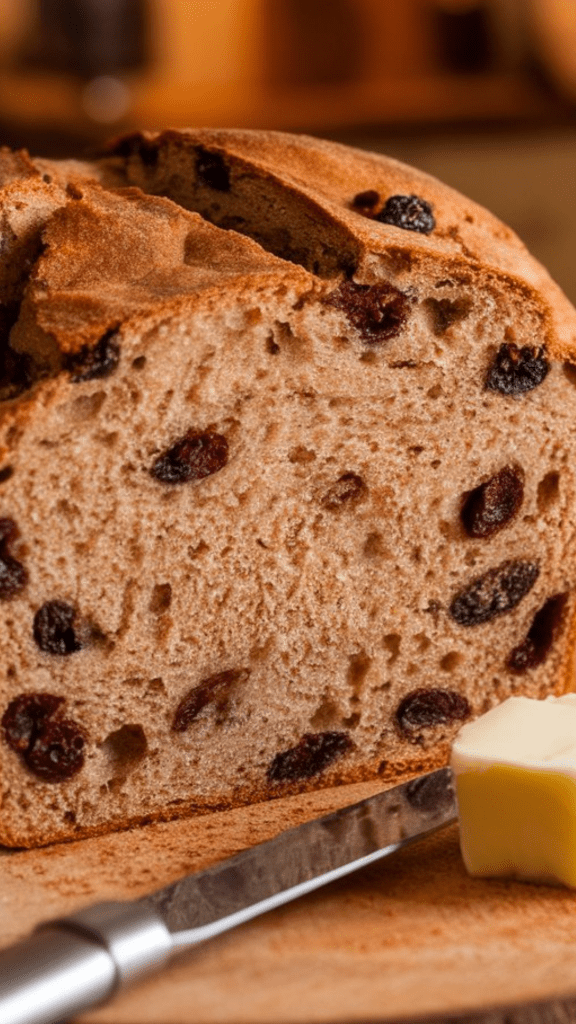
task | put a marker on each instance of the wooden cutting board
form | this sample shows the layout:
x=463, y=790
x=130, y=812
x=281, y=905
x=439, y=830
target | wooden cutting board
x=411, y=937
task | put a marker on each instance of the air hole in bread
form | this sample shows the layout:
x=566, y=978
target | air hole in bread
x=352, y=720
x=374, y=546
x=392, y=643
x=161, y=598
x=301, y=455
x=326, y=716
x=358, y=666
x=198, y=549
x=443, y=313
x=423, y=641
x=548, y=491
x=85, y=407
x=124, y=749
x=451, y=661
x=156, y=686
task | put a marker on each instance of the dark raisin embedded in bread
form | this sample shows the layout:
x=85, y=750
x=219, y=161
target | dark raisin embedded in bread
x=515, y=370
x=212, y=170
x=51, y=747
x=348, y=490
x=93, y=362
x=493, y=505
x=17, y=370
x=313, y=754
x=137, y=145
x=544, y=630
x=366, y=202
x=378, y=312
x=427, y=707
x=24, y=715
x=57, y=751
x=193, y=457
x=54, y=630
x=494, y=593
x=13, y=575
x=409, y=212
x=215, y=691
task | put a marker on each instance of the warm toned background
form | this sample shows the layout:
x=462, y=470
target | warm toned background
x=481, y=93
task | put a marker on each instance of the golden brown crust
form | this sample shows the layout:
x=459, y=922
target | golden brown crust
x=326, y=176
x=133, y=255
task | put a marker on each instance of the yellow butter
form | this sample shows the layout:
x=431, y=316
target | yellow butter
x=515, y=770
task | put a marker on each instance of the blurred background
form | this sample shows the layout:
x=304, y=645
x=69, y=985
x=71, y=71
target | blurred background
x=481, y=93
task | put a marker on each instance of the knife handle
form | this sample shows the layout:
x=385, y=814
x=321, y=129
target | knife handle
x=67, y=966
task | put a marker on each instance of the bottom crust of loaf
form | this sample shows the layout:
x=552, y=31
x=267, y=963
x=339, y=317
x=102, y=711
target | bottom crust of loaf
x=32, y=837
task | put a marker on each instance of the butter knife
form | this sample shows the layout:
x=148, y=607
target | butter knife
x=69, y=965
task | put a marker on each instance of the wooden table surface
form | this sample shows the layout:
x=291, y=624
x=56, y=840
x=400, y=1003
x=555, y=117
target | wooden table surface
x=408, y=938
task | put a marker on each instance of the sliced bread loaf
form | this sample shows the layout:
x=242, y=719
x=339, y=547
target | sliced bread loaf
x=286, y=477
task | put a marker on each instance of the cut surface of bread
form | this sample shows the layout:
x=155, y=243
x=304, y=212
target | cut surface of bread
x=286, y=484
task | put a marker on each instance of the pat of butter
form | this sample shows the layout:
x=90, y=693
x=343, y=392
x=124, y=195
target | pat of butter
x=515, y=770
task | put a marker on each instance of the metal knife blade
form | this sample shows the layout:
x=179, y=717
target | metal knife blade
x=304, y=858
x=80, y=961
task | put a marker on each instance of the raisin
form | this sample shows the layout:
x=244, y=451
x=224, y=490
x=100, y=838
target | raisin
x=16, y=368
x=148, y=152
x=193, y=457
x=409, y=212
x=545, y=626
x=496, y=592
x=378, y=312
x=348, y=490
x=54, y=628
x=5, y=473
x=215, y=690
x=430, y=793
x=13, y=575
x=424, y=708
x=24, y=715
x=365, y=202
x=57, y=751
x=492, y=505
x=137, y=145
x=92, y=362
x=51, y=748
x=212, y=170
x=517, y=370
x=314, y=753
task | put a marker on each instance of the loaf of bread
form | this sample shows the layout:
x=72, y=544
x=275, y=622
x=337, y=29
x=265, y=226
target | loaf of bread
x=286, y=476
